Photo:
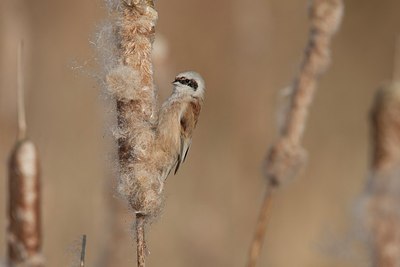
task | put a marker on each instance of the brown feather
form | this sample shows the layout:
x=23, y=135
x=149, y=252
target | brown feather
x=188, y=123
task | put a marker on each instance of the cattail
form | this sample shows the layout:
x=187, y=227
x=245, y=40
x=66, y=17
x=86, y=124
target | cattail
x=382, y=197
x=385, y=121
x=130, y=82
x=286, y=156
x=24, y=229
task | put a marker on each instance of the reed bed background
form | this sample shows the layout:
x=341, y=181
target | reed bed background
x=247, y=53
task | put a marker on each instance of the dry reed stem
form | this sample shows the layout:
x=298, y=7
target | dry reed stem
x=83, y=251
x=24, y=229
x=286, y=156
x=20, y=95
x=396, y=64
x=383, y=193
x=140, y=240
x=258, y=239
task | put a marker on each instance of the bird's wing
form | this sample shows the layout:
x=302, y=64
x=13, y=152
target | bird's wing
x=188, y=123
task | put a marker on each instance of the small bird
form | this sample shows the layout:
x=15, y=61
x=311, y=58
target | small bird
x=177, y=121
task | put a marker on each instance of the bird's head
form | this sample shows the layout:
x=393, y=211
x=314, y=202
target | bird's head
x=189, y=82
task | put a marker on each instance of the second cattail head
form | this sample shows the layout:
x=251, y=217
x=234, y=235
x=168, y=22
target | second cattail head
x=385, y=119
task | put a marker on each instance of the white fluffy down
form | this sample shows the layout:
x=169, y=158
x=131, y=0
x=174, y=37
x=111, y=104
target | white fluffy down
x=122, y=82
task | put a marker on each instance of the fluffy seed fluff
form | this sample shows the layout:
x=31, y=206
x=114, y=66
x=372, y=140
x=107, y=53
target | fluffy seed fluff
x=138, y=179
x=120, y=82
x=129, y=81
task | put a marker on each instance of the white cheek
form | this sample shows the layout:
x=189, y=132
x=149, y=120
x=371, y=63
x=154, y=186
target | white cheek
x=199, y=92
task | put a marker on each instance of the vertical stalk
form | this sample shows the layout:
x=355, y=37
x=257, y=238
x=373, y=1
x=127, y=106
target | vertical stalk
x=140, y=240
x=286, y=156
x=83, y=251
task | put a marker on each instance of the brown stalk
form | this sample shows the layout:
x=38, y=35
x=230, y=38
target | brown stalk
x=258, y=239
x=20, y=95
x=83, y=251
x=24, y=229
x=140, y=240
x=396, y=62
x=286, y=156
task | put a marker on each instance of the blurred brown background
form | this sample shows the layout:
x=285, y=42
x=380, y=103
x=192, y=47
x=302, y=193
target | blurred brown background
x=247, y=51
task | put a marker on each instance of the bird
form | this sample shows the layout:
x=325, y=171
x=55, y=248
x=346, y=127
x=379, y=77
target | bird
x=177, y=121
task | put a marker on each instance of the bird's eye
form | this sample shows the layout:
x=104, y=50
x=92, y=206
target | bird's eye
x=193, y=84
x=189, y=82
x=186, y=81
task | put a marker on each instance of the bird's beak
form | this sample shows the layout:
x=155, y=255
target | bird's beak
x=175, y=82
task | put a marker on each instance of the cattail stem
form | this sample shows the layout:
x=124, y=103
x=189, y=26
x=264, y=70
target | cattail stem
x=258, y=239
x=286, y=156
x=396, y=62
x=83, y=251
x=140, y=240
x=20, y=94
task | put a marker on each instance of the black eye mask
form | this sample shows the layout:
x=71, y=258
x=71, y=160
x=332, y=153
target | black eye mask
x=189, y=82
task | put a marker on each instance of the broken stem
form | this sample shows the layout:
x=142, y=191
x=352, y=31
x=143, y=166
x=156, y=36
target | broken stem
x=83, y=251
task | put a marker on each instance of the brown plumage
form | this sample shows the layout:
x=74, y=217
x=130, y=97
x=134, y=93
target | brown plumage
x=188, y=123
x=177, y=120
